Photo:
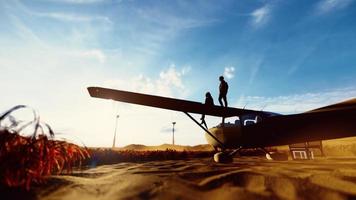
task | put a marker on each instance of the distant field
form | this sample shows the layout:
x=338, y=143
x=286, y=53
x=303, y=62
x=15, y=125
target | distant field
x=345, y=147
x=163, y=147
x=100, y=156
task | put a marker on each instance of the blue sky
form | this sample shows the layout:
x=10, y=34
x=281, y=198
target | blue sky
x=283, y=56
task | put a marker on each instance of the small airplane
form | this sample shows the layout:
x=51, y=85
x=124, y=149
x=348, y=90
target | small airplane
x=253, y=129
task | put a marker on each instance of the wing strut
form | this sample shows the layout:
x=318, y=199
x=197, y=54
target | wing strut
x=206, y=130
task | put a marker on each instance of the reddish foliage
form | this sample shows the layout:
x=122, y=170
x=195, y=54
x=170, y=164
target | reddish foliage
x=26, y=160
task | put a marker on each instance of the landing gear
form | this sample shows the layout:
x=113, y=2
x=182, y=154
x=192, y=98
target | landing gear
x=278, y=156
x=227, y=157
x=275, y=155
x=223, y=157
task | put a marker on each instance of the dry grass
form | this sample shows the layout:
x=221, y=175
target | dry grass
x=101, y=156
x=29, y=159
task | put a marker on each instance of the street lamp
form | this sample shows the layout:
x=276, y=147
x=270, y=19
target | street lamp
x=117, y=118
x=173, y=123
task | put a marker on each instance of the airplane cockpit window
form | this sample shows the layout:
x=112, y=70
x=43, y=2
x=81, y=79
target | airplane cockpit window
x=249, y=122
x=231, y=122
x=251, y=119
x=244, y=120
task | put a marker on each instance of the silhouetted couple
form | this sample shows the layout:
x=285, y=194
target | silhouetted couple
x=223, y=89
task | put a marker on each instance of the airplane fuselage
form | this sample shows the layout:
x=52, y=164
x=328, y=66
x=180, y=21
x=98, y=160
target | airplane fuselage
x=274, y=129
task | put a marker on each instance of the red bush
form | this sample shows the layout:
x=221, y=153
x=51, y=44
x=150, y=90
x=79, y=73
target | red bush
x=29, y=159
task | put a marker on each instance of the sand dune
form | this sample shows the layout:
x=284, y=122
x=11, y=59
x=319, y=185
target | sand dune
x=246, y=178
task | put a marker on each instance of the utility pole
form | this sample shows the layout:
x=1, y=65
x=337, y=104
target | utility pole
x=173, y=123
x=113, y=143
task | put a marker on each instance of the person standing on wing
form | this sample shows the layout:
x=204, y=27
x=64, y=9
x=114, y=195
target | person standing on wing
x=223, y=88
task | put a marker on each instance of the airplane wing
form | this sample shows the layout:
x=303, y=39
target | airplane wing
x=167, y=103
x=349, y=104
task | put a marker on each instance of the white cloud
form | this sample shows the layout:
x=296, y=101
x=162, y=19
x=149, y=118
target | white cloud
x=298, y=102
x=261, y=16
x=63, y=16
x=79, y=1
x=307, y=52
x=326, y=6
x=169, y=20
x=73, y=17
x=168, y=83
x=229, y=72
x=95, y=54
x=255, y=67
x=25, y=32
x=171, y=77
x=147, y=125
x=185, y=70
x=162, y=25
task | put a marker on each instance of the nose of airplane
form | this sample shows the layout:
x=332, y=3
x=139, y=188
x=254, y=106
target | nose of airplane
x=230, y=137
x=217, y=133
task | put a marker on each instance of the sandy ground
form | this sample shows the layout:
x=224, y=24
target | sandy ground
x=246, y=178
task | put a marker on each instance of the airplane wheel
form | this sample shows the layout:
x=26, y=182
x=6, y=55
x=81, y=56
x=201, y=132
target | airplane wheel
x=223, y=157
x=217, y=149
x=277, y=156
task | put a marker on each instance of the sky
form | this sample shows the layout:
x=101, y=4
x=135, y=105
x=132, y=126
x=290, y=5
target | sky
x=280, y=56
